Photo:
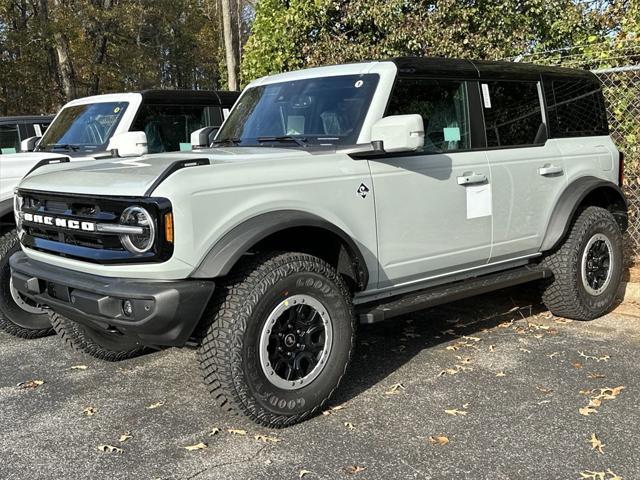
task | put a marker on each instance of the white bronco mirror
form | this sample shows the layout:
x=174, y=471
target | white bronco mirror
x=203, y=137
x=129, y=144
x=29, y=144
x=398, y=133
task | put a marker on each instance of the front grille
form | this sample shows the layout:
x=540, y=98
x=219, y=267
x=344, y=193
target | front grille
x=85, y=212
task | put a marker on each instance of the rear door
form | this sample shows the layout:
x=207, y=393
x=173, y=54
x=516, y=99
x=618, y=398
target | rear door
x=433, y=207
x=527, y=169
x=9, y=138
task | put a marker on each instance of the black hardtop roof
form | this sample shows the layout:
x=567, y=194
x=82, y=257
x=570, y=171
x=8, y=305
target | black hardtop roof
x=27, y=119
x=190, y=97
x=485, y=69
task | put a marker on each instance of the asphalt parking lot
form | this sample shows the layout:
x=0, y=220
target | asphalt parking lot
x=487, y=388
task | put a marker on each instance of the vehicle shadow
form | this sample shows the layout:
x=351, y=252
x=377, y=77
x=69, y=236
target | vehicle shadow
x=383, y=348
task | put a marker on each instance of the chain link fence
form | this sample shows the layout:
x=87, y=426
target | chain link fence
x=618, y=67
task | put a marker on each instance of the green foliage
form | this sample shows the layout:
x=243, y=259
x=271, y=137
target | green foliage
x=290, y=34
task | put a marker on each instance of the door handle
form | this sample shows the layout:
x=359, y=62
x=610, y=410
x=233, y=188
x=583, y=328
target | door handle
x=549, y=170
x=472, y=178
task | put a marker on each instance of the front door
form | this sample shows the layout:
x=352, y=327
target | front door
x=433, y=207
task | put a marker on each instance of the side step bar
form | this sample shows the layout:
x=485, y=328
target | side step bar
x=394, y=306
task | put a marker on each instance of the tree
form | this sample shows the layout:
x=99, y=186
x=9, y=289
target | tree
x=289, y=34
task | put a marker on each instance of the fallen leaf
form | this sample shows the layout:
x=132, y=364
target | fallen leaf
x=474, y=339
x=576, y=365
x=395, y=389
x=155, y=405
x=90, y=411
x=501, y=373
x=438, y=440
x=554, y=354
x=124, y=437
x=595, y=376
x=349, y=426
x=214, y=431
x=303, y=473
x=79, y=367
x=604, y=358
x=544, y=390
x=588, y=474
x=455, y=412
x=525, y=350
x=563, y=320
x=110, y=449
x=198, y=446
x=234, y=431
x=596, y=443
x=588, y=410
x=330, y=410
x=353, y=469
x=464, y=360
x=30, y=384
x=492, y=348
x=613, y=475
x=266, y=439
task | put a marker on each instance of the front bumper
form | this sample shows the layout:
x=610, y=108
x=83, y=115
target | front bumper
x=165, y=313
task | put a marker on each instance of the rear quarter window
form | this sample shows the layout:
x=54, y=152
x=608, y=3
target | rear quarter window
x=576, y=108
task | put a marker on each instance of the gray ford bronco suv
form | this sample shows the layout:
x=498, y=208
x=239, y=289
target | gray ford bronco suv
x=330, y=195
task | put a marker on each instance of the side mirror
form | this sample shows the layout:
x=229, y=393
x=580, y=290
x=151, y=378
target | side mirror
x=129, y=144
x=398, y=133
x=203, y=137
x=29, y=144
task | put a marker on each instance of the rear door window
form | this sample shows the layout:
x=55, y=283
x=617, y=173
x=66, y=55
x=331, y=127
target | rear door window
x=513, y=114
x=444, y=109
x=9, y=139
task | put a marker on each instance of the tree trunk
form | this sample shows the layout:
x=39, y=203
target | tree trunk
x=231, y=52
x=65, y=66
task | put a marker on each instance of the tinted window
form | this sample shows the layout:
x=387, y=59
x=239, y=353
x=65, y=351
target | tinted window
x=83, y=127
x=322, y=110
x=443, y=107
x=9, y=139
x=512, y=114
x=576, y=108
x=167, y=126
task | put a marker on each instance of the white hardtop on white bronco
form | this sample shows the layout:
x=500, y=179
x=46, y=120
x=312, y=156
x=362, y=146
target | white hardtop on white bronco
x=359, y=191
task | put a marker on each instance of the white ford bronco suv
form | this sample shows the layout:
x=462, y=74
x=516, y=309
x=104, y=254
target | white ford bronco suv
x=330, y=195
x=92, y=128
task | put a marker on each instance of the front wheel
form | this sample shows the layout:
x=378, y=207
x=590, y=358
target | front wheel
x=19, y=316
x=279, y=338
x=587, y=268
x=104, y=345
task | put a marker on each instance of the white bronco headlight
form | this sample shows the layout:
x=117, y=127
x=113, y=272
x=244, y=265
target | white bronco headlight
x=142, y=240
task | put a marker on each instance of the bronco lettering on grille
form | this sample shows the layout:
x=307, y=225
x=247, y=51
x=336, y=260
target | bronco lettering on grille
x=60, y=222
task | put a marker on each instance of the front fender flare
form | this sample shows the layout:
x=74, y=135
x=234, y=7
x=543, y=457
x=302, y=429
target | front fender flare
x=234, y=244
x=568, y=204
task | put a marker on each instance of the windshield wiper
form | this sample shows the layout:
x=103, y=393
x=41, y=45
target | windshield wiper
x=230, y=141
x=284, y=139
x=64, y=146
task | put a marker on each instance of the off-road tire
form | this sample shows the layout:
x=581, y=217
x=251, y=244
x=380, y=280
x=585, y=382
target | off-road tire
x=565, y=295
x=79, y=338
x=228, y=352
x=13, y=319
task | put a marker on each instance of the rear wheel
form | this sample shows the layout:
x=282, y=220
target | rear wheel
x=19, y=315
x=279, y=338
x=104, y=345
x=587, y=268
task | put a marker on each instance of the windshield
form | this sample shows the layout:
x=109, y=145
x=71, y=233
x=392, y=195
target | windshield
x=314, y=111
x=83, y=127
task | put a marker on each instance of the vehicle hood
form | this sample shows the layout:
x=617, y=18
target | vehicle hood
x=135, y=176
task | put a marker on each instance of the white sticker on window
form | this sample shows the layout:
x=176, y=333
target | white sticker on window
x=478, y=201
x=37, y=130
x=225, y=113
x=486, y=96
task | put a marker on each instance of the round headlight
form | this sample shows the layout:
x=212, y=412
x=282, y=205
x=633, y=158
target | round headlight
x=138, y=242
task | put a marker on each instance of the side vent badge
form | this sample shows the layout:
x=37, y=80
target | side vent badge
x=363, y=190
